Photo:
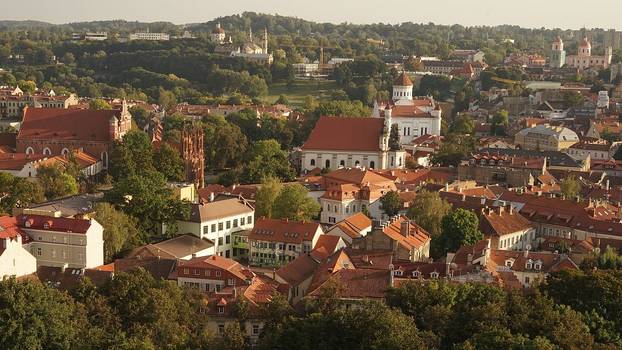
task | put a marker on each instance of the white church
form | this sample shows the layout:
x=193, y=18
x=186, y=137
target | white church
x=414, y=116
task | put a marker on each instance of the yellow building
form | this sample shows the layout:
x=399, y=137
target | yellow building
x=545, y=137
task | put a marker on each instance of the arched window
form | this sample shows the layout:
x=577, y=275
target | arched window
x=327, y=163
x=47, y=152
x=357, y=163
x=312, y=162
x=64, y=152
x=342, y=163
x=30, y=150
x=372, y=164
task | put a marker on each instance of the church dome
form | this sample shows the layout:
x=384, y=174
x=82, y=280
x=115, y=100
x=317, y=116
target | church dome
x=403, y=80
x=585, y=43
x=218, y=30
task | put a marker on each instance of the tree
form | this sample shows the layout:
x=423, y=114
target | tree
x=460, y=227
x=140, y=116
x=132, y=156
x=68, y=58
x=266, y=159
x=56, y=182
x=294, y=203
x=266, y=196
x=166, y=99
x=167, y=161
x=500, y=122
x=225, y=144
x=35, y=316
x=570, y=187
x=146, y=196
x=391, y=203
x=282, y=100
x=17, y=192
x=120, y=230
x=232, y=338
x=428, y=210
x=99, y=104
x=394, y=138
x=463, y=125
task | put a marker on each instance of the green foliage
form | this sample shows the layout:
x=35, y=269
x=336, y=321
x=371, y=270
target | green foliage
x=225, y=144
x=99, y=104
x=266, y=197
x=500, y=122
x=140, y=116
x=266, y=159
x=438, y=86
x=463, y=125
x=133, y=156
x=168, y=162
x=56, y=182
x=120, y=230
x=570, y=187
x=607, y=260
x=391, y=203
x=428, y=210
x=454, y=149
x=460, y=227
x=293, y=202
x=17, y=192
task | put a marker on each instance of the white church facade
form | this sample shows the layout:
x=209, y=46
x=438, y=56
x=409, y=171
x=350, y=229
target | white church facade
x=415, y=116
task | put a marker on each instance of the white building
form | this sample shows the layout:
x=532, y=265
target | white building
x=585, y=60
x=217, y=220
x=414, y=116
x=253, y=52
x=218, y=35
x=64, y=242
x=15, y=260
x=90, y=36
x=149, y=36
x=338, y=142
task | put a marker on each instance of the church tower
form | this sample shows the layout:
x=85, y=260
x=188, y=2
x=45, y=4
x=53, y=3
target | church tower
x=265, y=41
x=402, y=88
x=558, y=54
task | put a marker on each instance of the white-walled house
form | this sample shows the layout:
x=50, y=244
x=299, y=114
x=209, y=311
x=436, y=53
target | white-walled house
x=507, y=229
x=64, y=242
x=217, y=220
x=352, y=227
x=15, y=260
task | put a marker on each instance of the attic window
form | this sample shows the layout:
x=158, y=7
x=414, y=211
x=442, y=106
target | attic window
x=538, y=265
x=46, y=225
x=416, y=274
x=434, y=274
x=397, y=272
x=529, y=264
x=509, y=263
x=221, y=309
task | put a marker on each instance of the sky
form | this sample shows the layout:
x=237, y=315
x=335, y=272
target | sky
x=565, y=14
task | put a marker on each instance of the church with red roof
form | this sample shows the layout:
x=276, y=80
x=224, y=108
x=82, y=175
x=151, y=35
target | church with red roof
x=58, y=131
x=415, y=116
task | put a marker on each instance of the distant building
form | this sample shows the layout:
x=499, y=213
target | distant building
x=218, y=35
x=253, y=52
x=558, y=54
x=14, y=100
x=468, y=55
x=90, y=36
x=585, y=60
x=149, y=36
x=545, y=137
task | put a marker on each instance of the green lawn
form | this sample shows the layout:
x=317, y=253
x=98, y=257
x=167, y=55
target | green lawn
x=300, y=89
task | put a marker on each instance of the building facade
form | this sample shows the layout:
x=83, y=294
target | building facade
x=545, y=137
x=585, y=60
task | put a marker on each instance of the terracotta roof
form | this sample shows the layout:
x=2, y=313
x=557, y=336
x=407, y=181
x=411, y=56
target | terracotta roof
x=346, y=134
x=499, y=221
x=174, y=248
x=355, y=176
x=219, y=262
x=358, y=284
x=17, y=161
x=326, y=245
x=403, y=80
x=38, y=222
x=66, y=124
x=416, y=238
x=299, y=269
x=162, y=268
x=275, y=230
x=353, y=225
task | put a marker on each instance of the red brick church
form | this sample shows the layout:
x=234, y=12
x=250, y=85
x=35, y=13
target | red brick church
x=56, y=131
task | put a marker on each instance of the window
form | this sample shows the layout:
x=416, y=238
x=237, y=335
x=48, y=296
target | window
x=249, y=219
x=342, y=163
x=242, y=221
x=372, y=164
x=217, y=287
x=526, y=280
x=228, y=224
x=312, y=162
x=235, y=222
x=205, y=229
x=218, y=273
x=434, y=274
x=213, y=228
x=220, y=226
x=186, y=271
x=219, y=241
x=227, y=253
x=255, y=329
x=327, y=163
x=416, y=274
x=221, y=309
x=231, y=282
x=221, y=328
x=397, y=272
x=39, y=252
x=228, y=239
x=207, y=273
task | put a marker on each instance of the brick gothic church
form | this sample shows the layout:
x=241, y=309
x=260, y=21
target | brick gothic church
x=58, y=131
x=190, y=149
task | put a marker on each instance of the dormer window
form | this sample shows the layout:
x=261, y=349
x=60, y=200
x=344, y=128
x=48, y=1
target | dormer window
x=221, y=309
x=538, y=265
x=529, y=264
x=416, y=274
x=397, y=272
x=509, y=263
x=46, y=225
x=434, y=274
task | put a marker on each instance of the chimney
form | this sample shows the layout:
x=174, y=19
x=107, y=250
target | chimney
x=469, y=259
x=211, y=196
x=366, y=258
x=405, y=228
x=510, y=209
x=526, y=253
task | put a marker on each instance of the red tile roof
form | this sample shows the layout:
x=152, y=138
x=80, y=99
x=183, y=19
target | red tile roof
x=275, y=230
x=66, y=124
x=9, y=229
x=17, y=161
x=346, y=134
x=219, y=262
x=326, y=245
x=39, y=222
x=499, y=221
x=403, y=80
x=417, y=237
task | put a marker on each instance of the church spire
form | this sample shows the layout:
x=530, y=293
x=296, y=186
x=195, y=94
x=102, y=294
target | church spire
x=265, y=41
